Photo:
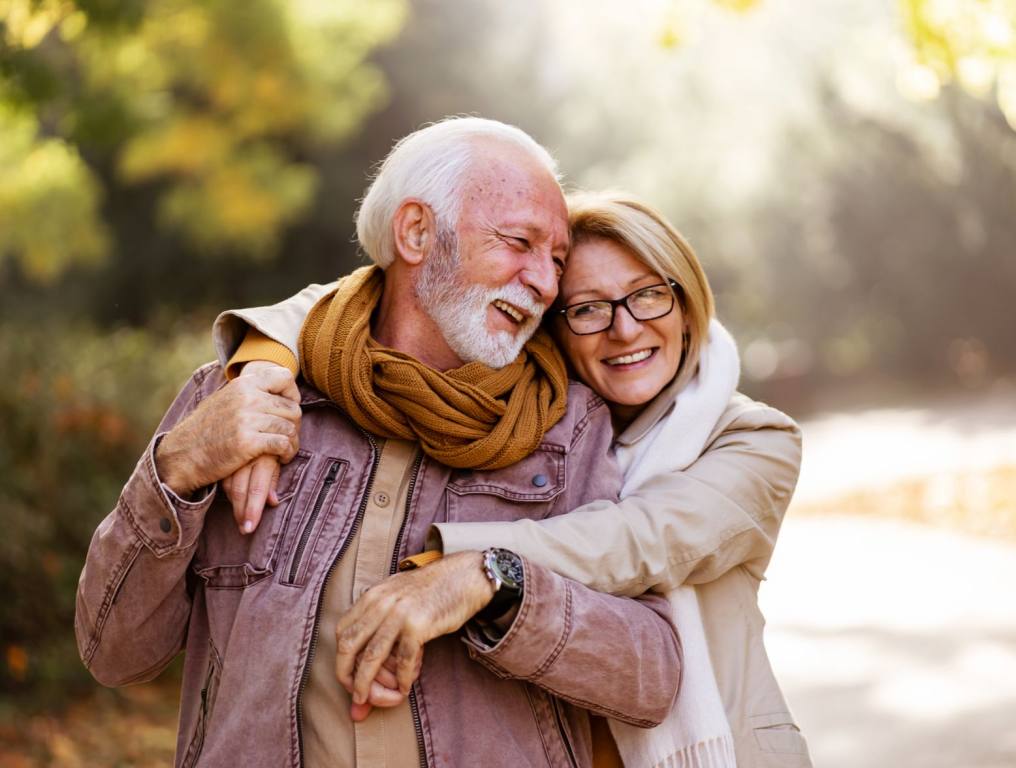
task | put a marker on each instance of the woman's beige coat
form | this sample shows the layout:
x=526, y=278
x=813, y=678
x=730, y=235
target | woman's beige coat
x=713, y=525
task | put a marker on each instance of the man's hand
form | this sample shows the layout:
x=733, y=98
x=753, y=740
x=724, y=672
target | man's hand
x=384, y=690
x=247, y=418
x=396, y=617
x=254, y=483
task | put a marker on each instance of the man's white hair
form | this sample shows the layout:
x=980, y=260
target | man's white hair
x=428, y=164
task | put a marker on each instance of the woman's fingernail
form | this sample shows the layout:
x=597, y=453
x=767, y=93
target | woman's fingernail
x=248, y=526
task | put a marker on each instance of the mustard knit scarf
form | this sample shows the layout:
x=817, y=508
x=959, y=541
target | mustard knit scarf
x=470, y=417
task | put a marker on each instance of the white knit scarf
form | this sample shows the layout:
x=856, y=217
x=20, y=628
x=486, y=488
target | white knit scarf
x=696, y=732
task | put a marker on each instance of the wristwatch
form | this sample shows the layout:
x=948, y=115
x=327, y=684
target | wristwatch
x=504, y=569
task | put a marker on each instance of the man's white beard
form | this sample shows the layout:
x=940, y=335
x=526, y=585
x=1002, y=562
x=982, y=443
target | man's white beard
x=459, y=309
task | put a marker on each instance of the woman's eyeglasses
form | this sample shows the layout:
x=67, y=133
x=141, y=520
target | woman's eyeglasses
x=649, y=303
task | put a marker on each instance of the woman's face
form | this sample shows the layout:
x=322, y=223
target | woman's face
x=602, y=269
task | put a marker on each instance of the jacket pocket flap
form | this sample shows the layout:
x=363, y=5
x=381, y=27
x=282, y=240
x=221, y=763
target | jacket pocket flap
x=232, y=576
x=290, y=475
x=777, y=732
x=537, y=477
x=773, y=718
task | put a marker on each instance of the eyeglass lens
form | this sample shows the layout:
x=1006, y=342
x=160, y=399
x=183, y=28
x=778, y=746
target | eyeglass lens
x=644, y=304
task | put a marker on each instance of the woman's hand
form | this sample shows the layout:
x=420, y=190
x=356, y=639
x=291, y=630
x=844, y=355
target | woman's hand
x=254, y=484
x=249, y=417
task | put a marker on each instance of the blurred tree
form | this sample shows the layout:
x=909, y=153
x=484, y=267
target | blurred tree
x=887, y=257
x=207, y=107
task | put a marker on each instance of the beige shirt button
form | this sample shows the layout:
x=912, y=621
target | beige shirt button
x=381, y=499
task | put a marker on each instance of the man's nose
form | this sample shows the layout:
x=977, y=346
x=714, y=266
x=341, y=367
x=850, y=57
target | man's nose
x=540, y=277
x=625, y=327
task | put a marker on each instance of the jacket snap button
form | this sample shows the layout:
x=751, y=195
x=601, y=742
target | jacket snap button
x=381, y=499
x=539, y=480
x=165, y=525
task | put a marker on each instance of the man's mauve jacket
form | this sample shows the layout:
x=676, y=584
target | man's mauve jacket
x=164, y=574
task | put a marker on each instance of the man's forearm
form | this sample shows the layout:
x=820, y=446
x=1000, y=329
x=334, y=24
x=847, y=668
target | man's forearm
x=132, y=601
x=562, y=625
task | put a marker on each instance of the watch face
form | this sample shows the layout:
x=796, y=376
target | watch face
x=510, y=567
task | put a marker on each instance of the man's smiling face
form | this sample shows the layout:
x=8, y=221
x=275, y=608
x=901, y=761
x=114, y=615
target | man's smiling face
x=487, y=284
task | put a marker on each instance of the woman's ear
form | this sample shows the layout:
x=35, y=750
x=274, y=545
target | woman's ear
x=415, y=232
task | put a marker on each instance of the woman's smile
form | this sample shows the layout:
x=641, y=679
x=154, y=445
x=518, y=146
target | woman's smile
x=629, y=361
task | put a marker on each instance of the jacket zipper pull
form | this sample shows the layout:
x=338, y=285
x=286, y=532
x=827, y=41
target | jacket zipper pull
x=333, y=470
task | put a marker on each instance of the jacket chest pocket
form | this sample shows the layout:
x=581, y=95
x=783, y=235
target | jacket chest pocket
x=227, y=559
x=527, y=489
x=308, y=521
x=779, y=741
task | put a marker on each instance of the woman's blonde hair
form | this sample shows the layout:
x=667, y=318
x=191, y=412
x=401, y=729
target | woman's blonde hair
x=642, y=229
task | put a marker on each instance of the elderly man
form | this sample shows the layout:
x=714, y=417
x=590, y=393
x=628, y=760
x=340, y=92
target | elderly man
x=448, y=408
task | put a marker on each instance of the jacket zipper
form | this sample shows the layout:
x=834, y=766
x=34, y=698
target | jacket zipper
x=375, y=459
x=560, y=727
x=199, y=739
x=301, y=545
x=394, y=566
x=421, y=746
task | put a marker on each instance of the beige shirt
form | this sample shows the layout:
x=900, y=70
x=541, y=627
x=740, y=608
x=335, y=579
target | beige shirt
x=388, y=736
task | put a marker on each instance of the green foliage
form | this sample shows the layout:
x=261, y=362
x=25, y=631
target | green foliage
x=77, y=412
x=214, y=103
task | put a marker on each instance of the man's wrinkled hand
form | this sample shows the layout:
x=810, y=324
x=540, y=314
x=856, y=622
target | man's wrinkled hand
x=249, y=417
x=254, y=484
x=384, y=690
x=396, y=617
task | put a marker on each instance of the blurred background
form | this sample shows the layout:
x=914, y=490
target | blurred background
x=846, y=170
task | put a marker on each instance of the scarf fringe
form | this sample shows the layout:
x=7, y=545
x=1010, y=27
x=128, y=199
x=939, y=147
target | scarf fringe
x=717, y=752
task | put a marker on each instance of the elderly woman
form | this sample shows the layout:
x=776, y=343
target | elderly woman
x=708, y=474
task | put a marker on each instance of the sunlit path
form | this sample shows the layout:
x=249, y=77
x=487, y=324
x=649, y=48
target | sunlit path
x=896, y=643
x=876, y=448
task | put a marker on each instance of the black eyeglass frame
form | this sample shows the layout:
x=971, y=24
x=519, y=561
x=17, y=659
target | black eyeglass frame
x=676, y=292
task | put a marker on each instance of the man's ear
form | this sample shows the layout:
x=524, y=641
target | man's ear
x=415, y=231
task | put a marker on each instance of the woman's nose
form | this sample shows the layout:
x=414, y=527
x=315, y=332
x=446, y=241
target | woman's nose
x=625, y=326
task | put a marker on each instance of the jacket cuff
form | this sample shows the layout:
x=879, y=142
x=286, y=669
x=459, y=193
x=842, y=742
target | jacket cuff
x=164, y=522
x=257, y=346
x=536, y=638
x=450, y=538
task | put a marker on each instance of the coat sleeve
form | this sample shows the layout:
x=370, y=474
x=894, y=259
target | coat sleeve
x=616, y=656
x=279, y=322
x=133, y=604
x=687, y=527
